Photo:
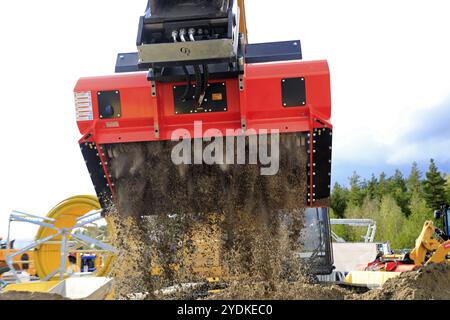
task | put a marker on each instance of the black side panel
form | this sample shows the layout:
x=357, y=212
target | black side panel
x=109, y=105
x=293, y=92
x=98, y=175
x=127, y=62
x=322, y=154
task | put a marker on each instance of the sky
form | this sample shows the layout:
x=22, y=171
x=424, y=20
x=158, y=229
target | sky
x=389, y=63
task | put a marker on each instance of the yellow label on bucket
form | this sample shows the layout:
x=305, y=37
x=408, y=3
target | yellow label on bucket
x=217, y=97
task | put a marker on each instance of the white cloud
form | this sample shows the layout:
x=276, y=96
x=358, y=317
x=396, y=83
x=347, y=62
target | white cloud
x=421, y=152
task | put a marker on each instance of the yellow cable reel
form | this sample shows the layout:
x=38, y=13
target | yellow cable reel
x=47, y=256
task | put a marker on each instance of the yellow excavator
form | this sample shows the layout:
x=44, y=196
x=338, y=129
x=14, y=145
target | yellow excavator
x=433, y=245
x=22, y=262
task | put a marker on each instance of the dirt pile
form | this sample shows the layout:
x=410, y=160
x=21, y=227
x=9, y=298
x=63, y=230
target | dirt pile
x=283, y=290
x=429, y=283
x=30, y=296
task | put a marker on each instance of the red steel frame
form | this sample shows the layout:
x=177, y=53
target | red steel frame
x=259, y=106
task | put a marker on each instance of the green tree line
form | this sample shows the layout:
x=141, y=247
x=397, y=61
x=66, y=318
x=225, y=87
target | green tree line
x=400, y=205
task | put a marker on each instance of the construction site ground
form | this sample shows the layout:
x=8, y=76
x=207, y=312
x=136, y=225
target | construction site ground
x=430, y=283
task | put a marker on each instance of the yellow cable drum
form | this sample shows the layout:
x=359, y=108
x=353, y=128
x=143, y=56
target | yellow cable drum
x=48, y=255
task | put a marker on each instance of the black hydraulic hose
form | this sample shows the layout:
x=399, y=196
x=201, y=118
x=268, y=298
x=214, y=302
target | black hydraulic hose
x=198, y=84
x=188, y=85
x=205, y=78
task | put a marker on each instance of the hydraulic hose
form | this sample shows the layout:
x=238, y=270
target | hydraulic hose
x=198, y=84
x=205, y=78
x=188, y=84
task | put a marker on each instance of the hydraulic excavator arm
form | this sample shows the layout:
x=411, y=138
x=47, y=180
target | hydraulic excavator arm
x=243, y=20
x=425, y=244
x=433, y=244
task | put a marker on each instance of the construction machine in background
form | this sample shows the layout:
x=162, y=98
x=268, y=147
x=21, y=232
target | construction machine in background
x=23, y=262
x=432, y=247
x=196, y=78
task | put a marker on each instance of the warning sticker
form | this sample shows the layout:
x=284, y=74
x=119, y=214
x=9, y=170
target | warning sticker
x=83, y=106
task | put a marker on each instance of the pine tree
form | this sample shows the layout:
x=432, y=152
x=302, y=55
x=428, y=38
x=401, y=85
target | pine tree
x=414, y=180
x=448, y=188
x=397, y=181
x=399, y=205
x=372, y=187
x=356, y=196
x=382, y=186
x=434, y=187
x=396, y=186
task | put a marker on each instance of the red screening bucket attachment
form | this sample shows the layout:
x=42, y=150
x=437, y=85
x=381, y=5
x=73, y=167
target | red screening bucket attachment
x=131, y=126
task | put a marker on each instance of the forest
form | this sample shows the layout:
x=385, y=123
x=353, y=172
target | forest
x=400, y=205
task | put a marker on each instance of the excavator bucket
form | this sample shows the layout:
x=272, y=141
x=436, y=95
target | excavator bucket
x=198, y=121
x=282, y=106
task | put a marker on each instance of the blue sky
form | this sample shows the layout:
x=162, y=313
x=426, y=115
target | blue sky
x=426, y=136
x=389, y=63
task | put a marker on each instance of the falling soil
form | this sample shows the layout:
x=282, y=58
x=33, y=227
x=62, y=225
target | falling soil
x=180, y=224
x=130, y=269
x=148, y=183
